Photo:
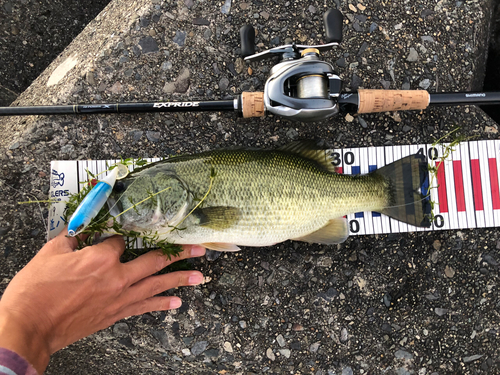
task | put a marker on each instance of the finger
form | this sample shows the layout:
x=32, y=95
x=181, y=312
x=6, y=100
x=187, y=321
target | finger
x=153, y=285
x=154, y=261
x=61, y=243
x=114, y=244
x=149, y=305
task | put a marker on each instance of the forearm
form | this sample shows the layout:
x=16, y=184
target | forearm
x=16, y=336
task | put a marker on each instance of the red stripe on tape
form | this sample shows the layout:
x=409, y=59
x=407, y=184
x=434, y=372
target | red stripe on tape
x=459, y=185
x=441, y=180
x=476, y=184
x=495, y=196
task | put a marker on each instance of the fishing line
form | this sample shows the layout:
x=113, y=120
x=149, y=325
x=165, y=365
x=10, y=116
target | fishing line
x=407, y=204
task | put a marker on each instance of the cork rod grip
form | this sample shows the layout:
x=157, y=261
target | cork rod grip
x=371, y=101
x=252, y=104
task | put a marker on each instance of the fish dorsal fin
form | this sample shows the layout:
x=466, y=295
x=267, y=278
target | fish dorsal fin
x=218, y=218
x=334, y=232
x=309, y=150
x=220, y=246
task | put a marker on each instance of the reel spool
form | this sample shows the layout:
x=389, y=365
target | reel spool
x=312, y=86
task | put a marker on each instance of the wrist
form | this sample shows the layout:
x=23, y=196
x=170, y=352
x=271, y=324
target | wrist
x=22, y=338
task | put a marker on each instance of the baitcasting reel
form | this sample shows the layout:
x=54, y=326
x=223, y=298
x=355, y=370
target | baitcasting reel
x=301, y=87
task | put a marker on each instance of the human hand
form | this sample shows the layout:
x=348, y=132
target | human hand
x=64, y=295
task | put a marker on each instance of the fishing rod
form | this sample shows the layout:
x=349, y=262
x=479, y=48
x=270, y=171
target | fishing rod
x=301, y=87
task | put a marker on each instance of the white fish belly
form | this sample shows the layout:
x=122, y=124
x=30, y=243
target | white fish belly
x=258, y=229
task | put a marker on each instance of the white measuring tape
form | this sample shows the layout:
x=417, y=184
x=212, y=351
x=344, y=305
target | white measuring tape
x=465, y=190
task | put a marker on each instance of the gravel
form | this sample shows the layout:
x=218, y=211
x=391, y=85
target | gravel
x=413, y=55
x=199, y=347
x=402, y=354
x=148, y=45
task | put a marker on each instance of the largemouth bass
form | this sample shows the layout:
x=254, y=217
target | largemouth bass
x=225, y=198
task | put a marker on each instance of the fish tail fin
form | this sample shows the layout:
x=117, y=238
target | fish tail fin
x=408, y=180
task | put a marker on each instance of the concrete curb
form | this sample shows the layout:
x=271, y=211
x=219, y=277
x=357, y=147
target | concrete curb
x=58, y=82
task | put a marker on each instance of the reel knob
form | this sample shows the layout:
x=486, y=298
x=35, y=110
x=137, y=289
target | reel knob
x=333, y=21
x=247, y=36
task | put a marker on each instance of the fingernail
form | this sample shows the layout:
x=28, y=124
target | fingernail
x=197, y=251
x=195, y=279
x=175, y=304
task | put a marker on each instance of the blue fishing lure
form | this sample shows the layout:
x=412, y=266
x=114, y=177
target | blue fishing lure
x=91, y=204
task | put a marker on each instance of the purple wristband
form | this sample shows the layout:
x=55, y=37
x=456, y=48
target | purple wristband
x=12, y=363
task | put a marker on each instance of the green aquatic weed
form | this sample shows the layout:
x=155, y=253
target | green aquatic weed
x=447, y=150
x=104, y=223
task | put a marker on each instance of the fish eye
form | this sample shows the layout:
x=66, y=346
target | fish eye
x=119, y=187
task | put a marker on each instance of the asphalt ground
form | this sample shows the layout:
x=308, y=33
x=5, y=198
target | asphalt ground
x=292, y=308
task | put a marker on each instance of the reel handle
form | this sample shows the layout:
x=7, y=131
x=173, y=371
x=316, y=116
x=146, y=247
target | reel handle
x=247, y=37
x=371, y=101
x=333, y=20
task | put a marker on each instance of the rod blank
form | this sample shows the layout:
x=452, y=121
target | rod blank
x=192, y=106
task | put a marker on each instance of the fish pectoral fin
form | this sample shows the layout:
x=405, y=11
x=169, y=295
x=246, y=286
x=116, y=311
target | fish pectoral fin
x=218, y=218
x=221, y=246
x=334, y=232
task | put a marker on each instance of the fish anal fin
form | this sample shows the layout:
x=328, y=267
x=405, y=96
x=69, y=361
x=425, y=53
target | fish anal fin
x=309, y=150
x=218, y=218
x=220, y=246
x=335, y=231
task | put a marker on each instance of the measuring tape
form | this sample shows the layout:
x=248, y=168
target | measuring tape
x=465, y=188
